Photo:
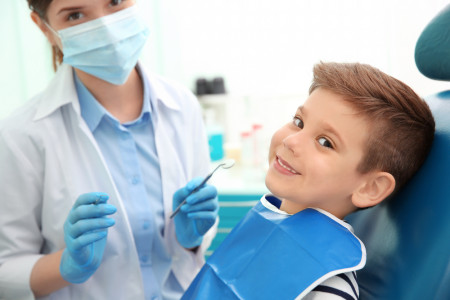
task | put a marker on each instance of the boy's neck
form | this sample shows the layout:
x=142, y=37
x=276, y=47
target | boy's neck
x=293, y=208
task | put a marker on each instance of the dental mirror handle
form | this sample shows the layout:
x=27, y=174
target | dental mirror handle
x=193, y=191
x=226, y=165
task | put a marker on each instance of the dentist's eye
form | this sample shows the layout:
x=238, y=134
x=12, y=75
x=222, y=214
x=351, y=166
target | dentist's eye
x=115, y=2
x=325, y=143
x=75, y=16
x=298, y=122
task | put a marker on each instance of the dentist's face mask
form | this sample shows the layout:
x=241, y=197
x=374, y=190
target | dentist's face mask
x=107, y=47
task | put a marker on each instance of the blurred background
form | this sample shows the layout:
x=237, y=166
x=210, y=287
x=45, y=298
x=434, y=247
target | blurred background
x=249, y=61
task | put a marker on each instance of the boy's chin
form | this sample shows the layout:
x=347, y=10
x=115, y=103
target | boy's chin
x=273, y=187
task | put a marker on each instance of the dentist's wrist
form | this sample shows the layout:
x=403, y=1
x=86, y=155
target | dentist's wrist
x=71, y=271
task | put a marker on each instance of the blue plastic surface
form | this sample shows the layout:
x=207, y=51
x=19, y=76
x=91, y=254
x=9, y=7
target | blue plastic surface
x=215, y=141
x=273, y=256
x=232, y=209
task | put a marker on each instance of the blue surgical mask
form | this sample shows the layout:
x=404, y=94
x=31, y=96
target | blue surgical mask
x=107, y=47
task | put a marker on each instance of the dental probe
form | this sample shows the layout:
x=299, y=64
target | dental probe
x=225, y=165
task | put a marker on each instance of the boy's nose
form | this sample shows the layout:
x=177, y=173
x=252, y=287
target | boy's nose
x=295, y=142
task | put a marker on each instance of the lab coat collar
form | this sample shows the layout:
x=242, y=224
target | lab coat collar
x=158, y=91
x=62, y=91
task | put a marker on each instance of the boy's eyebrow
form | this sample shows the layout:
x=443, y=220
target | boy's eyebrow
x=330, y=129
x=327, y=127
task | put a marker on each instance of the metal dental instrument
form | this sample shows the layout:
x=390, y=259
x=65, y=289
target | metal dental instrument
x=225, y=165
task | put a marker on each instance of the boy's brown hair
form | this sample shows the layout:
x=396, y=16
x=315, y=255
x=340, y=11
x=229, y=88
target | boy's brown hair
x=402, y=125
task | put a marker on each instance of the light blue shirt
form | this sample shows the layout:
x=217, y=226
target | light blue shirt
x=130, y=153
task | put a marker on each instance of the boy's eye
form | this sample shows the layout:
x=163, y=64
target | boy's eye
x=325, y=142
x=75, y=16
x=298, y=122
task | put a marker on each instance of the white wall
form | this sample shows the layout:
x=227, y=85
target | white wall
x=265, y=49
x=267, y=46
x=24, y=56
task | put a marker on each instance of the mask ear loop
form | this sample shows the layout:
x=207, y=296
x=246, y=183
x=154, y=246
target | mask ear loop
x=51, y=28
x=57, y=54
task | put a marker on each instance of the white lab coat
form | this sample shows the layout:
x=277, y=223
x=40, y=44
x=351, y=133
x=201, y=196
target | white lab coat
x=48, y=157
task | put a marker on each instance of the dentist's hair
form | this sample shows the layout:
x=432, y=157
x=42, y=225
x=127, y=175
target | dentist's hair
x=41, y=7
x=401, y=123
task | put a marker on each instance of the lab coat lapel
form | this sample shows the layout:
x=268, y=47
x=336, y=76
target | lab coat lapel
x=172, y=174
x=59, y=92
x=87, y=167
x=91, y=149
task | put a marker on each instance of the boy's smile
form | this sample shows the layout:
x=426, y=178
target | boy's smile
x=283, y=167
x=314, y=158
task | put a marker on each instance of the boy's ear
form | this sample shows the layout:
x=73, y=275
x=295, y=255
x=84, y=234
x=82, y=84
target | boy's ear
x=375, y=189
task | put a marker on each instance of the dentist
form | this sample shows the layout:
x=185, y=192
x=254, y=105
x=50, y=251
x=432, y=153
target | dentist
x=92, y=167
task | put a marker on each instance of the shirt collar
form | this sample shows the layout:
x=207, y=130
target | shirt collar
x=61, y=91
x=93, y=112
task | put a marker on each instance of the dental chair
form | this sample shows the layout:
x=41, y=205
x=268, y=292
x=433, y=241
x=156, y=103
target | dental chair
x=408, y=239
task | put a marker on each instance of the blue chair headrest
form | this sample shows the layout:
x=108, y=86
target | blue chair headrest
x=432, y=53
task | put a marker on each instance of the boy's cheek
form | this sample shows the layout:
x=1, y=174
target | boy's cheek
x=274, y=143
x=277, y=138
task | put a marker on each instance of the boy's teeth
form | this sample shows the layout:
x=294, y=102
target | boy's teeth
x=286, y=167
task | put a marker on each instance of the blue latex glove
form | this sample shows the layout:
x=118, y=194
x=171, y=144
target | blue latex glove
x=85, y=232
x=198, y=215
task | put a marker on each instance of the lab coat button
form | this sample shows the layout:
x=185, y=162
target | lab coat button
x=135, y=180
x=146, y=225
x=123, y=136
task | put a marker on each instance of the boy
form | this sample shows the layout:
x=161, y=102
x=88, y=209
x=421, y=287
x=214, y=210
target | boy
x=359, y=137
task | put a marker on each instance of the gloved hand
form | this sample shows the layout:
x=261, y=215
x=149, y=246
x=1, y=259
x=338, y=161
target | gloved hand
x=198, y=215
x=85, y=232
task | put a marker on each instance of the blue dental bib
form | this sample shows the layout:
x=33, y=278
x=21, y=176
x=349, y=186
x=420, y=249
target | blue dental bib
x=274, y=256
